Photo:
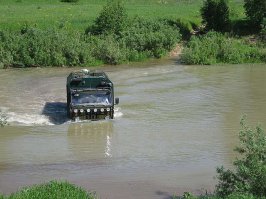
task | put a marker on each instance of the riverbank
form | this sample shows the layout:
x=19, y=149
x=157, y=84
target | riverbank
x=59, y=36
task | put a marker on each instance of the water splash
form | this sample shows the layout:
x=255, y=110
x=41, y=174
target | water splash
x=117, y=112
x=27, y=119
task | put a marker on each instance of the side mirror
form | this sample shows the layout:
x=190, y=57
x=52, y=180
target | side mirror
x=116, y=101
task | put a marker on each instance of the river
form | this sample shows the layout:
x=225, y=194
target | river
x=174, y=125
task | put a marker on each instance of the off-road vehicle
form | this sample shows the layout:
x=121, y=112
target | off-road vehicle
x=90, y=95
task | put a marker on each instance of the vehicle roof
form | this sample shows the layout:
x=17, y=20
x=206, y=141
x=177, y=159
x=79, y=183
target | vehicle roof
x=88, y=79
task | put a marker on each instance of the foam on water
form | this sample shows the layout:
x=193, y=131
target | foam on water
x=27, y=119
x=117, y=112
x=35, y=119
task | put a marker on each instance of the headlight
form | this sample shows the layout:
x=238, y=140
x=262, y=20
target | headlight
x=108, y=109
x=95, y=110
x=102, y=110
x=75, y=110
x=81, y=110
x=88, y=110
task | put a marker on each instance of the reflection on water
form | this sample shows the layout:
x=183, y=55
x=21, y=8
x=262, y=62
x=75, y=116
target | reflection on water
x=91, y=140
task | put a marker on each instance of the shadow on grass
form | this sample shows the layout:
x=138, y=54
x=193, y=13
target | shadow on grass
x=244, y=28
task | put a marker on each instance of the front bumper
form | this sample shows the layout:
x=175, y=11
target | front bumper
x=91, y=113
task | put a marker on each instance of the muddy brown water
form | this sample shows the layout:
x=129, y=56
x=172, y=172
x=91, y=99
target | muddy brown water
x=174, y=125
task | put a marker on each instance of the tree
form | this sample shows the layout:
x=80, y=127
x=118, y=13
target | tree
x=249, y=176
x=215, y=14
x=255, y=10
x=112, y=19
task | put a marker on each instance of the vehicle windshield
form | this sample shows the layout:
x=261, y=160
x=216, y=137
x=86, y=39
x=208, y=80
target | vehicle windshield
x=92, y=98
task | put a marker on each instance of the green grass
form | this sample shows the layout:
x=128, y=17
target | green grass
x=51, y=190
x=53, y=13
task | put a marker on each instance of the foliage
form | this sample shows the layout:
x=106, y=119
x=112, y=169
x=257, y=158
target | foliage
x=32, y=47
x=185, y=27
x=215, y=48
x=215, y=13
x=53, y=189
x=112, y=19
x=54, y=47
x=150, y=36
x=263, y=31
x=3, y=119
x=249, y=176
x=255, y=10
x=109, y=50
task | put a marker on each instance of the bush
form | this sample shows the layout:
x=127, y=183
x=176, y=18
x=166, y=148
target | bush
x=217, y=48
x=215, y=13
x=53, y=189
x=34, y=47
x=109, y=50
x=155, y=38
x=112, y=19
x=185, y=27
x=255, y=10
x=249, y=176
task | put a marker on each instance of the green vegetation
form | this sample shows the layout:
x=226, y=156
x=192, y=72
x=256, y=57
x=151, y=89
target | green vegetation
x=214, y=47
x=53, y=189
x=247, y=180
x=34, y=47
x=255, y=10
x=89, y=32
x=249, y=176
x=108, y=42
x=111, y=20
x=215, y=15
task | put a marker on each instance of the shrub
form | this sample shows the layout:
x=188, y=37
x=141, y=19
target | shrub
x=185, y=27
x=112, y=19
x=202, y=49
x=249, y=176
x=255, y=10
x=218, y=48
x=263, y=31
x=53, y=189
x=34, y=47
x=155, y=38
x=215, y=13
x=109, y=50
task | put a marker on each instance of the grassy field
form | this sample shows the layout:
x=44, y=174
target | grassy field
x=53, y=13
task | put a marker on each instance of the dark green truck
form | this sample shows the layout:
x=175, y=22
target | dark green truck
x=90, y=96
